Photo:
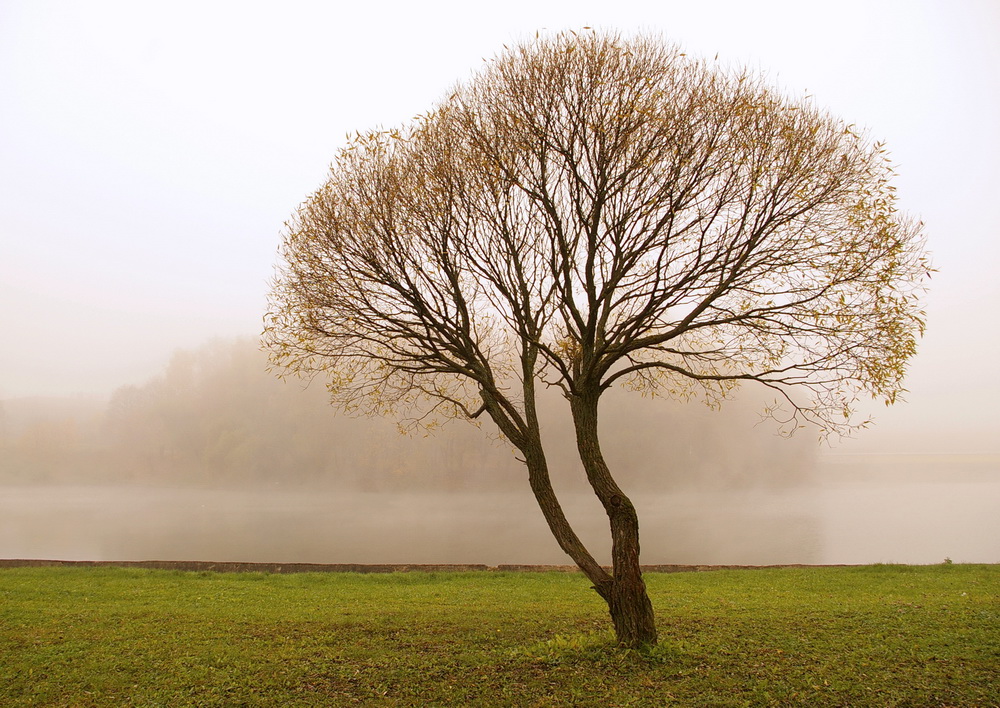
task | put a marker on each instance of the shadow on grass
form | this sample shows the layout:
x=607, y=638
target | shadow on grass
x=597, y=649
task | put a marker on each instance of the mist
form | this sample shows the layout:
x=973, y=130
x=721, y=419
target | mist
x=215, y=459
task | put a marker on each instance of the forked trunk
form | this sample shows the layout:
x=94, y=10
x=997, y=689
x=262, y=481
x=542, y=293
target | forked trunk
x=569, y=542
x=525, y=434
x=625, y=592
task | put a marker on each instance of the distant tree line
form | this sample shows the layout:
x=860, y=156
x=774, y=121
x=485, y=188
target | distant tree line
x=215, y=417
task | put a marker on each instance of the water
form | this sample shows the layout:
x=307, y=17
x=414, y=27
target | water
x=854, y=510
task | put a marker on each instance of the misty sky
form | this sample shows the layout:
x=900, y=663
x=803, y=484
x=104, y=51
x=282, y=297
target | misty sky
x=151, y=151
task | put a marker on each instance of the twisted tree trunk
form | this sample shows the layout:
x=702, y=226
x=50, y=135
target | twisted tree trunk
x=624, y=589
x=569, y=542
x=625, y=592
x=525, y=434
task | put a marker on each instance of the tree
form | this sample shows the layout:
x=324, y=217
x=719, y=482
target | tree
x=590, y=211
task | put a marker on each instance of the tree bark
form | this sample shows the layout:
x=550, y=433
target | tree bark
x=628, y=602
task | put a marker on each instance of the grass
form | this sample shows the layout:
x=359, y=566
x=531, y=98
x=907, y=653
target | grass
x=864, y=636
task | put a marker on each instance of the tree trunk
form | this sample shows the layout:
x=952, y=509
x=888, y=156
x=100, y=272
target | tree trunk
x=569, y=542
x=624, y=590
x=628, y=602
x=525, y=434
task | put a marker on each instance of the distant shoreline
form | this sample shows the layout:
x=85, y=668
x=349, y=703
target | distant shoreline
x=239, y=567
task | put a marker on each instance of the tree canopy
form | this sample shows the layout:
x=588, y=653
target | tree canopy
x=629, y=212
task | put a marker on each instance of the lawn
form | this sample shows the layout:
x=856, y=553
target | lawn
x=856, y=636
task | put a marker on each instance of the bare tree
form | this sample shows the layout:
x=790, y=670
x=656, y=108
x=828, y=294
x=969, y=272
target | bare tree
x=590, y=211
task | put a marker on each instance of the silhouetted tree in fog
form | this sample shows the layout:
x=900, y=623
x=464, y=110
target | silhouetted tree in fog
x=590, y=211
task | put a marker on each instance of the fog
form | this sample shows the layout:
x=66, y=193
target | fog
x=214, y=459
x=151, y=154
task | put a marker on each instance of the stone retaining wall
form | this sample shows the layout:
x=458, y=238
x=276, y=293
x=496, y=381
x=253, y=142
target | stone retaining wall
x=236, y=567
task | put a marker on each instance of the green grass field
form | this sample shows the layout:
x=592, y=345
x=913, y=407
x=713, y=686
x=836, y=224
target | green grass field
x=864, y=636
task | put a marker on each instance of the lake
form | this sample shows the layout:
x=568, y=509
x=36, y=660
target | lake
x=853, y=509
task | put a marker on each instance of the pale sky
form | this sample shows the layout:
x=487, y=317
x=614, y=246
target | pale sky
x=151, y=151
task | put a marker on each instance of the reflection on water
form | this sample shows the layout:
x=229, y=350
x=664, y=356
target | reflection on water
x=856, y=510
